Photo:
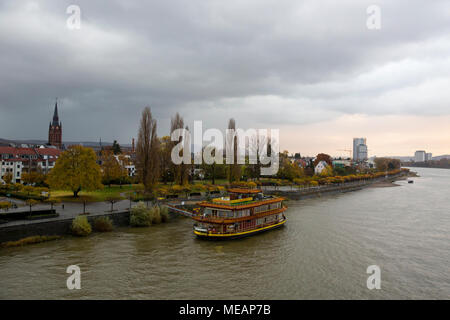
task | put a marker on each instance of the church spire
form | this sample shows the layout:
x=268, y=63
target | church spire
x=55, y=114
x=55, y=129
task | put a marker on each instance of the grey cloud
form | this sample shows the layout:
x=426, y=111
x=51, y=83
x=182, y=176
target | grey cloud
x=261, y=62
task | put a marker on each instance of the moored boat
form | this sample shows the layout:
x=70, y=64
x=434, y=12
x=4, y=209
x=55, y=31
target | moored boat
x=245, y=212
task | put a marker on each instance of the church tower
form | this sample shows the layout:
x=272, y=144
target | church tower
x=55, y=130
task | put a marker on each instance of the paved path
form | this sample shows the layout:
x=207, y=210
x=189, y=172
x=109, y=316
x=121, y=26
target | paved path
x=70, y=210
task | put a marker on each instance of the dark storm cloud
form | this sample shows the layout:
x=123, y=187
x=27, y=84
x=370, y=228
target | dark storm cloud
x=262, y=62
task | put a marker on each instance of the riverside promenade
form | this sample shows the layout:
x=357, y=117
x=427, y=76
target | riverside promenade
x=296, y=193
x=15, y=230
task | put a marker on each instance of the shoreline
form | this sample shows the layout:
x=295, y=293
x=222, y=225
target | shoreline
x=61, y=226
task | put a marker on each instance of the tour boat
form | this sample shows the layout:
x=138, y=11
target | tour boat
x=245, y=212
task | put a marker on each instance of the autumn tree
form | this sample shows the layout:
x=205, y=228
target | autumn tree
x=36, y=178
x=288, y=169
x=327, y=171
x=386, y=164
x=147, y=151
x=7, y=177
x=124, y=161
x=112, y=170
x=323, y=157
x=76, y=169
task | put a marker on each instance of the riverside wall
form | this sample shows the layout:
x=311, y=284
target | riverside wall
x=57, y=227
x=313, y=192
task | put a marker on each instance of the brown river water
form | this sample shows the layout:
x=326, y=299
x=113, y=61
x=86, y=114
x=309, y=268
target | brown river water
x=322, y=253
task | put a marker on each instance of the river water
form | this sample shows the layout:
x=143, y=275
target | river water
x=322, y=253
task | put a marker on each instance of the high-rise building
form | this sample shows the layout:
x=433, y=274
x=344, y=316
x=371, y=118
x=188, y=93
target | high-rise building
x=360, y=151
x=428, y=156
x=419, y=156
x=55, y=130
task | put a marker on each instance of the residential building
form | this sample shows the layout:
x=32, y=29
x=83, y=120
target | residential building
x=322, y=165
x=428, y=156
x=17, y=160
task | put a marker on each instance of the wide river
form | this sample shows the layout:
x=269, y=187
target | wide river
x=322, y=253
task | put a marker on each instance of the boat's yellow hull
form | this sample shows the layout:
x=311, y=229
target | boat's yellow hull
x=227, y=236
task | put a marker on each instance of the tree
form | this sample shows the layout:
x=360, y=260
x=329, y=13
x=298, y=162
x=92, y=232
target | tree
x=323, y=157
x=124, y=161
x=234, y=169
x=288, y=170
x=385, y=164
x=209, y=169
x=52, y=202
x=113, y=200
x=76, y=169
x=111, y=168
x=31, y=203
x=164, y=159
x=255, y=143
x=33, y=178
x=147, y=151
x=116, y=148
x=180, y=171
x=327, y=171
x=7, y=177
x=5, y=205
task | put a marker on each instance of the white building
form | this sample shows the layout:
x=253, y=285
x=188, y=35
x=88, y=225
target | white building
x=419, y=156
x=13, y=167
x=360, y=151
x=127, y=163
x=17, y=160
x=322, y=165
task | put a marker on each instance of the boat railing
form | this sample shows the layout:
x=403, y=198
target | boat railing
x=250, y=228
x=223, y=219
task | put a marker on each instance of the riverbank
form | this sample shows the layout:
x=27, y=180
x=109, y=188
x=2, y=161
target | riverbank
x=319, y=191
x=58, y=226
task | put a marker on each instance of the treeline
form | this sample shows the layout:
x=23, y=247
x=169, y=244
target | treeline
x=387, y=164
x=154, y=163
x=442, y=163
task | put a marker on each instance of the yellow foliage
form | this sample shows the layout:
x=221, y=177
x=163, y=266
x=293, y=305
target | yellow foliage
x=76, y=169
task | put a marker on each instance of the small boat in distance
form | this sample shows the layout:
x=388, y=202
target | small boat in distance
x=245, y=212
x=410, y=181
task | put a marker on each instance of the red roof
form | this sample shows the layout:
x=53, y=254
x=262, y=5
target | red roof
x=17, y=153
x=49, y=151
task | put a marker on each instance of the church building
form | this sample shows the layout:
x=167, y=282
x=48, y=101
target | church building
x=55, y=130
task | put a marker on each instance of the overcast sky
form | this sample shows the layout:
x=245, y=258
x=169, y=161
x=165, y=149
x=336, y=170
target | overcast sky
x=309, y=68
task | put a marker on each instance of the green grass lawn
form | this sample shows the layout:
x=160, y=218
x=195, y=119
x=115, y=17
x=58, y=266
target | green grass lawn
x=94, y=196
